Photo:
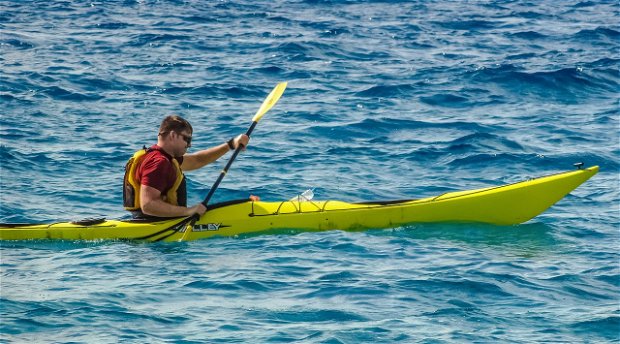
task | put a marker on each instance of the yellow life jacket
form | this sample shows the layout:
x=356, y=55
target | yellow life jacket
x=177, y=195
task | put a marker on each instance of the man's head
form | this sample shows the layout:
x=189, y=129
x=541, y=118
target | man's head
x=175, y=135
x=174, y=123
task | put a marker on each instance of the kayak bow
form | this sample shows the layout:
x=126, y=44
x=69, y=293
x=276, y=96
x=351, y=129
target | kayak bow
x=502, y=205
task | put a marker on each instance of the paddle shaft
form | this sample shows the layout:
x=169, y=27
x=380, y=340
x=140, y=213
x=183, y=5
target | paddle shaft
x=205, y=202
x=267, y=104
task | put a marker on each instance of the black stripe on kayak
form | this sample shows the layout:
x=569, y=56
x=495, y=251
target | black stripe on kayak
x=164, y=237
x=150, y=236
x=174, y=228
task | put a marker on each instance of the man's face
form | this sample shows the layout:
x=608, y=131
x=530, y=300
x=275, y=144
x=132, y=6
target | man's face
x=182, y=142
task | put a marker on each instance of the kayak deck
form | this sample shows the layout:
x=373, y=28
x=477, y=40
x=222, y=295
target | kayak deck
x=499, y=205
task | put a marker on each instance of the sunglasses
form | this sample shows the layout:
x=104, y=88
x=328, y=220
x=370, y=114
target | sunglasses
x=186, y=138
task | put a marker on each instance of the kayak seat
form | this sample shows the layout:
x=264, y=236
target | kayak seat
x=89, y=222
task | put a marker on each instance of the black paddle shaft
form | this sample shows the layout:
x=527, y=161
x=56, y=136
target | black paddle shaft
x=225, y=170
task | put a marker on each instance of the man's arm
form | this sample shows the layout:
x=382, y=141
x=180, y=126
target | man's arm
x=152, y=204
x=201, y=158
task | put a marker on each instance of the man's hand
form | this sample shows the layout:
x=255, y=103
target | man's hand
x=242, y=140
x=199, y=209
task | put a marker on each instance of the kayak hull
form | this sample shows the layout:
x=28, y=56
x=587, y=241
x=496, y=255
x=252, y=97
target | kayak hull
x=502, y=205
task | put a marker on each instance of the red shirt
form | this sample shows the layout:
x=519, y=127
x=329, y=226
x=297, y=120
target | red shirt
x=157, y=170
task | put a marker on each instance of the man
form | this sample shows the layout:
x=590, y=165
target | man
x=154, y=183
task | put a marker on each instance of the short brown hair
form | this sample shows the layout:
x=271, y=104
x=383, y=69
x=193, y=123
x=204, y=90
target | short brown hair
x=174, y=123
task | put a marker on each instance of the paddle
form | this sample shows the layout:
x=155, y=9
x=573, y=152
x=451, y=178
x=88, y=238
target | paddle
x=268, y=103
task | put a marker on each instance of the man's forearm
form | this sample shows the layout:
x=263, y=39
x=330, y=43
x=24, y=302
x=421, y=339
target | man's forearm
x=158, y=207
x=204, y=157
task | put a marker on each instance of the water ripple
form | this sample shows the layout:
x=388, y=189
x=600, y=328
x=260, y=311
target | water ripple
x=386, y=99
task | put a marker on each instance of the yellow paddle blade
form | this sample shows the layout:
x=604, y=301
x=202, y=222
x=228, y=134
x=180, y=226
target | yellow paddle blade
x=270, y=101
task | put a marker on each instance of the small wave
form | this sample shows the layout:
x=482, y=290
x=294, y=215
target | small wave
x=53, y=162
x=583, y=4
x=39, y=78
x=60, y=93
x=149, y=38
x=110, y=26
x=334, y=32
x=524, y=239
x=17, y=44
x=586, y=293
x=322, y=2
x=326, y=28
x=556, y=83
x=522, y=56
x=463, y=309
x=597, y=34
x=339, y=276
x=605, y=327
x=468, y=25
x=305, y=51
x=292, y=47
x=201, y=19
x=464, y=286
x=127, y=314
x=605, y=62
x=91, y=83
x=7, y=97
x=445, y=100
x=210, y=285
x=528, y=35
x=378, y=126
x=611, y=278
x=387, y=91
x=306, y=316
x=530, y=15
x=491, y=158
x=467, y=156
x=484, y=140
x=270, y=70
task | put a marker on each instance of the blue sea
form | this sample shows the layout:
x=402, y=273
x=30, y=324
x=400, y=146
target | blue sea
x=386, y=100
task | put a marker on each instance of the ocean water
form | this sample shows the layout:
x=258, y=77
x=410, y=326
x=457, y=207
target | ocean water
x=386, y=100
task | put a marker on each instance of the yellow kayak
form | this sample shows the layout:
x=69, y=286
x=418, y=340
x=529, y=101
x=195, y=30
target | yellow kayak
x=500, y=205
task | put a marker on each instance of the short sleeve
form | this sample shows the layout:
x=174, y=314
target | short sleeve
x=157, y=173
